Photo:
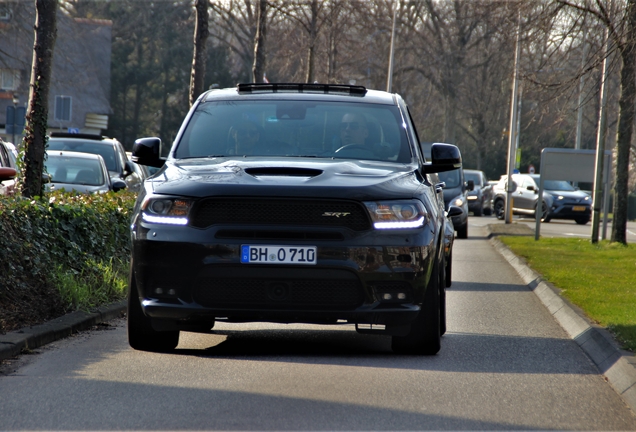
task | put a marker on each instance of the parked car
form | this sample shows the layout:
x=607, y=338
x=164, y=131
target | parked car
x=118, y=164
x=79, y=172
x=561, y=200
x=290, y=203
x=480, y=198
x=8, y=169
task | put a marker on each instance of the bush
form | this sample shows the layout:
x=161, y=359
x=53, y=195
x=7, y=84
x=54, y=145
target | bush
x=61, y=253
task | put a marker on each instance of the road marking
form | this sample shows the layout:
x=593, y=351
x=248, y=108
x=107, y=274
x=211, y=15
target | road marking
x=575, y=235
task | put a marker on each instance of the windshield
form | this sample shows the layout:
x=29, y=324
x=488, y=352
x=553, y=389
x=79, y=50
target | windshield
x=106, y=151
x=73, y=170
x=476, y=178
x=558, y=185
x=451, y=178
x=295, y=128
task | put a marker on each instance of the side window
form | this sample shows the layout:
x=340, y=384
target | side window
x=4, y=156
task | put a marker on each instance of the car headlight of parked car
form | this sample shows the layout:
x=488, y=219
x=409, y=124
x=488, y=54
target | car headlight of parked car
x=397, y=214
x=458, y=201
x=170, y=211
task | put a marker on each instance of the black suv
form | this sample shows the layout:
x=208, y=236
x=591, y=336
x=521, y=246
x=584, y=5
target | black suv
x=118, y=164
x=290, y=203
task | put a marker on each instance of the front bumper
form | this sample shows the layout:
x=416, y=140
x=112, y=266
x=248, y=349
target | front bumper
x=570, y=211
x=189, y=276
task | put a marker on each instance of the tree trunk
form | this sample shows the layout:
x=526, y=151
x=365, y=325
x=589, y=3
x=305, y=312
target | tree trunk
x=625, y=128
x=258, y=69
x=37, y=118
x=311, y=51
x=201, y=34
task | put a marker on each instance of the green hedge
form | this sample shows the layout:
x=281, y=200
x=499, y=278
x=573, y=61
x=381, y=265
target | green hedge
x=60, y=253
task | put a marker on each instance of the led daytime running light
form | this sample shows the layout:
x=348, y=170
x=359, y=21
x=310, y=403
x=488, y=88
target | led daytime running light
x=399, y=225
x=167, y=220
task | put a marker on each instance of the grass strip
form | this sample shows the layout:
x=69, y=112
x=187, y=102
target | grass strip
x=599, y=278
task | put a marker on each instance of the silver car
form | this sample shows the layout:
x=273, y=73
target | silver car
x=79, y=172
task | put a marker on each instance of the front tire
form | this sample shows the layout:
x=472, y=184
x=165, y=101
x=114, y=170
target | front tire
x=425, y=334
x=462, y=232
x=500, y=209
x=141, y=335
x=545, y=213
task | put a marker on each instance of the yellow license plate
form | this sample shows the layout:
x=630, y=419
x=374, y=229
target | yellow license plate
x=578, y=208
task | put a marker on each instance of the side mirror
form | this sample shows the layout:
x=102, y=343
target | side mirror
x=128, y=168
x=146, y=151
x=7, y=173
x=118, y=185
x=47, y=178
x=454, y=211
x=444, y=157
x=471, y=185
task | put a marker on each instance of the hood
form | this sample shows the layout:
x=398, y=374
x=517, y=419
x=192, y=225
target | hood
x=347, y=179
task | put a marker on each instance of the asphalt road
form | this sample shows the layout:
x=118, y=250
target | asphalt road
x=505, y=364
x=557, y=228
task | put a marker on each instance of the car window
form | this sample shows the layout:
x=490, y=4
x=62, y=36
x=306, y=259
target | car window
x=475, y=177
x=73, y=170
x=291, y=128
x=105, y=150
x=451, y=178
x=4, y=157
x=558, y=185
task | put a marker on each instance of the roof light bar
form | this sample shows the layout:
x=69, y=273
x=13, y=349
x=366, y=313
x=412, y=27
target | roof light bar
x=301, y=88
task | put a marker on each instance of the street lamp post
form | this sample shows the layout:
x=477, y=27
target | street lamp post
x=16, y=101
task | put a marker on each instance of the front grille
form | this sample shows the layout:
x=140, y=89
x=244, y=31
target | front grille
x=283, y=212
x=288, y=294
x=278, y=235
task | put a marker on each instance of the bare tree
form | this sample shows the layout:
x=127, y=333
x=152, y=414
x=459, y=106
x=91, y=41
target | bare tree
x=201, y=34
x=35, y=136
x=622, y=31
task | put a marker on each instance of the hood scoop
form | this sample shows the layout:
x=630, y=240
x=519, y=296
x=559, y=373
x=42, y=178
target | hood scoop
x=283, y=172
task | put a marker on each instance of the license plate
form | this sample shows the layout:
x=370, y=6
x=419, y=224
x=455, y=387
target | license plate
x=273, y=254
x=578, y=208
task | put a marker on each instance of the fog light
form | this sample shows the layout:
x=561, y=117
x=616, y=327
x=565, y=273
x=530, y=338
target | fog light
x=172, y=292
x=387, y=296
x=158, y=290
x=401, y=296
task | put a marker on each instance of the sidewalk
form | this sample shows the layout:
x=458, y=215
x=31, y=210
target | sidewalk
x=29, y=338
x=617, y=366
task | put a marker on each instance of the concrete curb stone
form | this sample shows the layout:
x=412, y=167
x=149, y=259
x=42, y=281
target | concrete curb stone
x=617, y=365
x=28, y=338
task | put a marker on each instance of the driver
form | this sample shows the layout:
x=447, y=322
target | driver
x=353, y=129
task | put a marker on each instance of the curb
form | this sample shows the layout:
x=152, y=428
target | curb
x=15, y=342
x=617, y=366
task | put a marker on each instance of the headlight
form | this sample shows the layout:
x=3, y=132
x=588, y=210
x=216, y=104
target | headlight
x=397, y=214
x=171, y=211
x=457, y=201
x=472, y=197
